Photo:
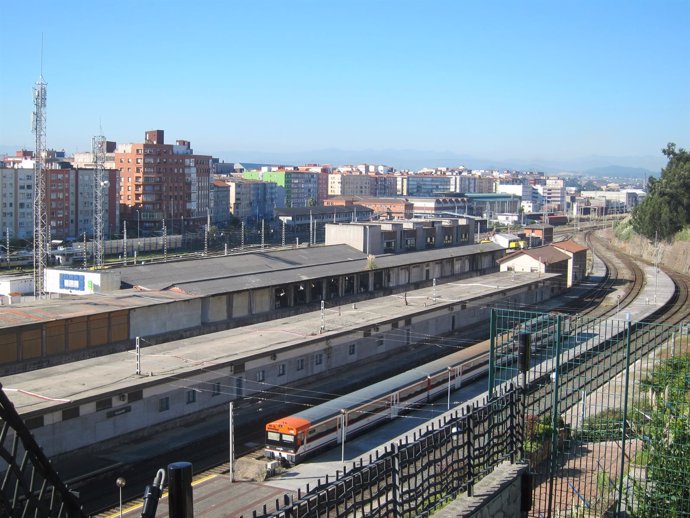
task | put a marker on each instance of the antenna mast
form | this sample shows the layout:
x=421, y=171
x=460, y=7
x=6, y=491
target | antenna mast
x=98, y=145
x=41, y=243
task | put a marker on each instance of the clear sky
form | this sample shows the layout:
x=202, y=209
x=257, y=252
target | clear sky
x=516, y=79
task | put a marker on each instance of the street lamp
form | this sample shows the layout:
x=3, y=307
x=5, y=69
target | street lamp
x=137, y=223
x=120, y=483
x=450, y=372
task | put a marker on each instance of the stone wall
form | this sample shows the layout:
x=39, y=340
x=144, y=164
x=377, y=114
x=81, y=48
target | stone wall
x=674, y=256
x=498, y=495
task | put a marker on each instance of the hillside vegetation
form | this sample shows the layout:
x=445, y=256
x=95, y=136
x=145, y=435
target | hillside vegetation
x=666, y=209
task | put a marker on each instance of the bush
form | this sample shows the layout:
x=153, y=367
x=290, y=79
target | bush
x=604, y=426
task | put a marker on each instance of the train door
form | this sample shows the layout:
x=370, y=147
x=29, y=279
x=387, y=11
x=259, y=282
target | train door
x=456, y=375
x=341, y=428
x=395, y=404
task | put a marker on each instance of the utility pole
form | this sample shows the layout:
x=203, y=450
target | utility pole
x=124, y=242
x=231, y=455
x=165, y=241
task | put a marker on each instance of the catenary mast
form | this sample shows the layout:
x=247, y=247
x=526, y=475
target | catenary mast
x=99, y=145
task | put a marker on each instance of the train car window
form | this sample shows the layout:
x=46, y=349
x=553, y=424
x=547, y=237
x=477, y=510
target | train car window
x=273, y=436
x=322, y=429
x=368, y=410
x=288, y=438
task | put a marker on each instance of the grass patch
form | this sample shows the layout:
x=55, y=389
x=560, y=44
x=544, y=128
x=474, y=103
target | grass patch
x=604, y=426
x=683, y=235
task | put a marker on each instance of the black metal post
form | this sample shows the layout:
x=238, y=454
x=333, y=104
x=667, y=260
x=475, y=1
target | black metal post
x=181, y=499
x=470, y=450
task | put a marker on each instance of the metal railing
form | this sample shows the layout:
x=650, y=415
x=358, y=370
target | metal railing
x=29, y=484
x=415, y=477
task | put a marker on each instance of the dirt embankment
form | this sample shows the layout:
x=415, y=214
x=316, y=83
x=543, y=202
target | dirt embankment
x=674, y=256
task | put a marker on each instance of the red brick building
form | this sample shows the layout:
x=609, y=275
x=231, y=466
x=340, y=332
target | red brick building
x=160, y=181
x=384, y=208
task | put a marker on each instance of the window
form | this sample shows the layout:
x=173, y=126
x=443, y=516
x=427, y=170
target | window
x=318, y=359
x=216, y=389
x=104, y=404
x=70, y=413
x=281, y=369
x=300, y=364
x=135, y=396
x=379, y=341
x=34, y=422
x=260, y=376
x=351, y=349
x=164, y=404
x=191, y=396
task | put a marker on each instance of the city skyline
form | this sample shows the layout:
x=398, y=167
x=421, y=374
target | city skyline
x=532, y=83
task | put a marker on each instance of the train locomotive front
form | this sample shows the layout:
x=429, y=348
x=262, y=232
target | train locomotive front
x=285, y=439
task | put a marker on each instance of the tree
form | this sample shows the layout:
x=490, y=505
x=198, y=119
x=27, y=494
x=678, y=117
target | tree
x=667, y=207
x=665, y=491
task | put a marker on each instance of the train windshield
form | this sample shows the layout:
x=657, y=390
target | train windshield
x=276, y=437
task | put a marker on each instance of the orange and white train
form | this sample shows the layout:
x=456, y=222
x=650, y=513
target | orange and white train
x=295, y=437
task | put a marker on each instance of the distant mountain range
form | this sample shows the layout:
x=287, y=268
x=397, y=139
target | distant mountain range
x=612, y=166
x=616, y=171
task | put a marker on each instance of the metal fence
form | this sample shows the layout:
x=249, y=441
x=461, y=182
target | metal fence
x=415, y=477
x=29, y=484
x=607, y=412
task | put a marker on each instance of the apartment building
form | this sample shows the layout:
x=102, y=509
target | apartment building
x=349, y=184
x=70, y=197
x=16, y=197
x=301, y=187
x=532, y=200
x=162, y=181
x=553, y=192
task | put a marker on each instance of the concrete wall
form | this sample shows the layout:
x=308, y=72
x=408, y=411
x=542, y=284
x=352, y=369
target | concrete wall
x=214, y=309
x=164, y=318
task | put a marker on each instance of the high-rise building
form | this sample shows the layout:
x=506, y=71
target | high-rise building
x=162, y=181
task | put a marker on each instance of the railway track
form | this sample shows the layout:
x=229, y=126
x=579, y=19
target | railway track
x=214, y=459
x=599, y=365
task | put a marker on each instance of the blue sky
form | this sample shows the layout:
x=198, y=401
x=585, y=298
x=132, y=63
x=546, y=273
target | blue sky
x=506, y=80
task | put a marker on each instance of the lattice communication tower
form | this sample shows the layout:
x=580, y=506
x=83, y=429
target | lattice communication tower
x=98, y=145
x=41, y=242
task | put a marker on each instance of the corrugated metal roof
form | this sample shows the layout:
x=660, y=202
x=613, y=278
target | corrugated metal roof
x=261, y=269
x=160, y=276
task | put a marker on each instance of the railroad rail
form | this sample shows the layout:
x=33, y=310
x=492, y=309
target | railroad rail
x=205, y=462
